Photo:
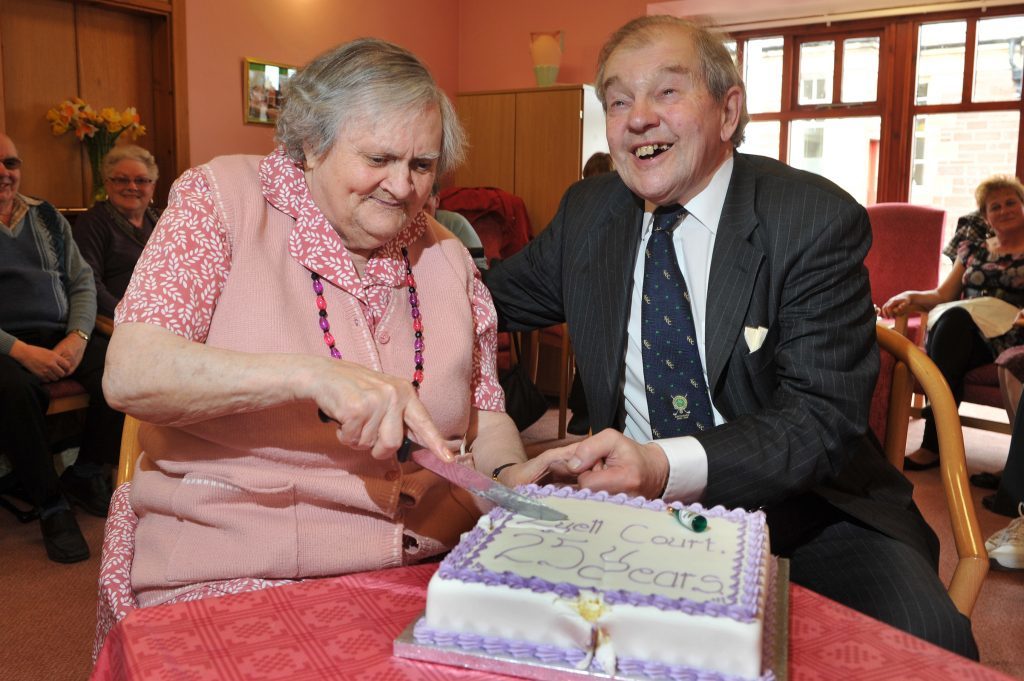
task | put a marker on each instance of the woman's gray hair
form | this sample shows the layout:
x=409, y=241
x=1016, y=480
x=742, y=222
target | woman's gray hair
x=129, y=152
x=365, y=76
x=997, y=183
x=717, y=69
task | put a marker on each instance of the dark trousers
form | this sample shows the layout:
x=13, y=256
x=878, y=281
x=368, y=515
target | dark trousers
x=839, y=557
x=23, y=433
x=1011, y=487
x=956, y=346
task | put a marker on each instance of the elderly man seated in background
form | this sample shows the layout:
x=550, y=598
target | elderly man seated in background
x=47, y=312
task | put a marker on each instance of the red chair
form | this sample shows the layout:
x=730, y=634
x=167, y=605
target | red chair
x=904, y=255
x=501, y=222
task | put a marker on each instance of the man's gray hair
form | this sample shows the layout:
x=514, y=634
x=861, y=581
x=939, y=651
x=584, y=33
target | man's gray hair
x=363, y=77
x=129, y=152
x=717, y=69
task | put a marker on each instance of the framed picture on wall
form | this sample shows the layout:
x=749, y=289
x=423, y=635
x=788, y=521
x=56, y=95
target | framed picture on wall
x=263, y=82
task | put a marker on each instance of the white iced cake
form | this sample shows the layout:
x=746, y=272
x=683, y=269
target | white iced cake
x=621, y=587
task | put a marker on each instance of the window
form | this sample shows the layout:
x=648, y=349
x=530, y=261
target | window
x=916, y=108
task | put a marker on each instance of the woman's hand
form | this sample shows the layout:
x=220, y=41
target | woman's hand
x=1019, y=321
x=374, y=410
x=899, y=304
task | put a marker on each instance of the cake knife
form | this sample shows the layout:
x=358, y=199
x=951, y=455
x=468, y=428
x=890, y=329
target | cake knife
x=473, y=481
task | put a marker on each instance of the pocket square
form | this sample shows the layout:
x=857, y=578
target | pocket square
x=754, y=337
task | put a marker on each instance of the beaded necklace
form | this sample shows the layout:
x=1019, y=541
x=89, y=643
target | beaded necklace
x=417, y=322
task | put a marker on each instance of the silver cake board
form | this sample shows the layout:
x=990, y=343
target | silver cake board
x=776, y=646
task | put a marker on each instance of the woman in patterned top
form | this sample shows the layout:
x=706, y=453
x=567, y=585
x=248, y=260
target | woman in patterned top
x=991, y=267
x=310, y=279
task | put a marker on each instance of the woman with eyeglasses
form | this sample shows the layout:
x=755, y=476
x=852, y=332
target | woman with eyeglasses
x=112, y=233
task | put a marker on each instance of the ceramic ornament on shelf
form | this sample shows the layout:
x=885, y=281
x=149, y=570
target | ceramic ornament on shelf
x=546, y=51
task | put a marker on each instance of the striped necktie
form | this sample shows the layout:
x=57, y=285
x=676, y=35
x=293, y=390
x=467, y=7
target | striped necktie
x=677, y=394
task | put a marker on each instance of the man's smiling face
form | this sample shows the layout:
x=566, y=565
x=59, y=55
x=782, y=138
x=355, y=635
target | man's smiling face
x=665, y=131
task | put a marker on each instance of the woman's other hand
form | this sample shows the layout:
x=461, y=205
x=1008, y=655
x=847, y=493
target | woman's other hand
x=899, y=304
x=1019, y=321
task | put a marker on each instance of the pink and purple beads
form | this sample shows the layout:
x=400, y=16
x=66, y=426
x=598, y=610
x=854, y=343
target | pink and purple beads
x=414, y=304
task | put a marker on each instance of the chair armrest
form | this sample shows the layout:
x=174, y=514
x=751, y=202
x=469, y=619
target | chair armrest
x=104, y=325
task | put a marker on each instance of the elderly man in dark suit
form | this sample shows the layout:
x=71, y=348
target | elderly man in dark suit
x=720, y=312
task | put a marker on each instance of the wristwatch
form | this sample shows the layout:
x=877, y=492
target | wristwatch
x=81, y=334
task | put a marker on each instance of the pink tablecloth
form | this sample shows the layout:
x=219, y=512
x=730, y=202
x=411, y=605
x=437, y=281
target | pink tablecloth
x=343, y=628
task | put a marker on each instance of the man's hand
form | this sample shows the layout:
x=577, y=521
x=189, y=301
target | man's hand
x=48, y=365
x=612, y=462
x=72, y=348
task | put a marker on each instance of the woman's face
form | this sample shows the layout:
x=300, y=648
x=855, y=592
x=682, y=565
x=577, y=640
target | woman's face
x=1004, y=211
x=377, y=176
x=129, y=187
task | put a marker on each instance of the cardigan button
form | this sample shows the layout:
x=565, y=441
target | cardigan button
x=384, y=337
x=391, y=476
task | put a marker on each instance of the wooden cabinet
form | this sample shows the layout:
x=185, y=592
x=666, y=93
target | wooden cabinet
x=532, y=143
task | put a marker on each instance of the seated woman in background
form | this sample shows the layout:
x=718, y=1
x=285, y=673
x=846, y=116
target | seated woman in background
x=308, y=279
x=112, y=233
x=990, y=267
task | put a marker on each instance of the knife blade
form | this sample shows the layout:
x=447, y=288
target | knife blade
x=486, y=488
x=473, y=481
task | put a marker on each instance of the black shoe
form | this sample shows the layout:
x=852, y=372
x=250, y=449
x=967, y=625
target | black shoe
x=579, y=424
x=986, y=480
x=92, y=493
x=63, y=540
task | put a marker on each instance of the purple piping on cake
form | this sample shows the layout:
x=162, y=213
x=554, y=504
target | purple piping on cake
x=743, y=606
x=632, y=667
x=495, y=646
x=549, y=654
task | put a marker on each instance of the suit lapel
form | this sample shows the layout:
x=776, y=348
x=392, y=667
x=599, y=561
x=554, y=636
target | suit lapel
x=734, y=266
x=613, y=239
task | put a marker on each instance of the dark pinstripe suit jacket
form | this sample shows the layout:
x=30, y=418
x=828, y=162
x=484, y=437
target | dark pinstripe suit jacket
x=788, y=256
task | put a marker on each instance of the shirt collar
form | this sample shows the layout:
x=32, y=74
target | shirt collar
x=313, y=241
x=707, y=206
x=21, y=205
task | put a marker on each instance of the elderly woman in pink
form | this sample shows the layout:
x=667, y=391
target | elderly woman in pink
x=309, y=279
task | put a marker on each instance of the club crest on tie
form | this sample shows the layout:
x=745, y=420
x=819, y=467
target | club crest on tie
x=667, y=320
x=680, y=405
x=647, y=344
x=647, y=299
x=670, y=364
x=666, y=274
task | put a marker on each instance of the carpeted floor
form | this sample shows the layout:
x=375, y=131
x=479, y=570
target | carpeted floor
x=49, y=609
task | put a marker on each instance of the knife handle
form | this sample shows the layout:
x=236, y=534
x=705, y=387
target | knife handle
x=403, y=451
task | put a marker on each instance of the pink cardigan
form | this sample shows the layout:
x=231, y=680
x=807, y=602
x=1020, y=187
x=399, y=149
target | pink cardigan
x=272, y=494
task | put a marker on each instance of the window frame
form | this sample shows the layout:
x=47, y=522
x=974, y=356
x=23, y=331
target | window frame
x=897, y=62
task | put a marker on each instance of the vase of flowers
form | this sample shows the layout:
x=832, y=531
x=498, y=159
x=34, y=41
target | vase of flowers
x=98, y=131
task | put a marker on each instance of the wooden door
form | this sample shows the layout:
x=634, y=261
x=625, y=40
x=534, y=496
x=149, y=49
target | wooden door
x=548, y=149
x=37, y=38
x=489, y=120
x=53, y=50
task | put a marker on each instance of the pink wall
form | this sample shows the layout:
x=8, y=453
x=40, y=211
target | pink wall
x=221, y=33
x=469, y=45
x=494, y=38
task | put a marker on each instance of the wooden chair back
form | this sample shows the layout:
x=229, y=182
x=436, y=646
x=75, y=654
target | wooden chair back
x=130, y=449
x=912, y=363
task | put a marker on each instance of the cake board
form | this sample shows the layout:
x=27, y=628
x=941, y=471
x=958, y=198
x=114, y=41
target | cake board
x=775, y=653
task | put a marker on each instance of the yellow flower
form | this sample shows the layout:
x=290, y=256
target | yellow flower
x=76, y=115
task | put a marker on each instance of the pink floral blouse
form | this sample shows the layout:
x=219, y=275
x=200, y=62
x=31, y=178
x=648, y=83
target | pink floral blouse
x=182, y=271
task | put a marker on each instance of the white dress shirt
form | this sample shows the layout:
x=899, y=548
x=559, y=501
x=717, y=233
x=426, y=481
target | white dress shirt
x=694, y=242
